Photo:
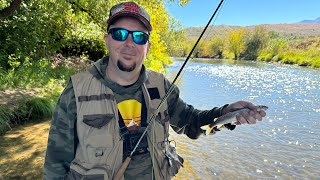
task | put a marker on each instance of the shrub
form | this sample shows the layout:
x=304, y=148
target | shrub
x=77, y=46
x=5, y=116
x=25, y=110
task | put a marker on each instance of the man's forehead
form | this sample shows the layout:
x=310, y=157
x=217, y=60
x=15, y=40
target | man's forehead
x=123, y=22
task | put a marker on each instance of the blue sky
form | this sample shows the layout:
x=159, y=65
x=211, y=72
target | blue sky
x=245, y=12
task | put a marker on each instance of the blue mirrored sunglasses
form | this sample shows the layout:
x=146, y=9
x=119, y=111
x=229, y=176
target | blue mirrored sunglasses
x=121, y=34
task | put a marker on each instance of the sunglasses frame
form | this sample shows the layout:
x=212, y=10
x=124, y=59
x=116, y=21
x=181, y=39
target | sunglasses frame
x=112, y=31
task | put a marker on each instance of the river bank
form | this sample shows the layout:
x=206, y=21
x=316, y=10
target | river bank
x=233, y=61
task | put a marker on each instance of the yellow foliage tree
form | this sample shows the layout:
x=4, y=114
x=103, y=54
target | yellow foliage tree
x=216, y=46
x=235, y=40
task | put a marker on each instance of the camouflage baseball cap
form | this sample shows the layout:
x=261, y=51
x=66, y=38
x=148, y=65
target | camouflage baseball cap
x=129, y=9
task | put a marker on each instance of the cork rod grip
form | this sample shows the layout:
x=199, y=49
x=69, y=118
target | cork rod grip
x=122, y=169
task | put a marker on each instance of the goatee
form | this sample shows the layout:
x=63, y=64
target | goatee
x=122, y=67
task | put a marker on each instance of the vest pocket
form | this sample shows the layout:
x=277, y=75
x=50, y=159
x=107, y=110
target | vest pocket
x=73, y=175
x=77, y=171
x=97, y=120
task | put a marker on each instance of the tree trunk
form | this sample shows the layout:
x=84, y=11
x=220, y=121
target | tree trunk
x=8, y=11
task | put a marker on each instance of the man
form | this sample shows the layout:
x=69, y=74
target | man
x=102, y=112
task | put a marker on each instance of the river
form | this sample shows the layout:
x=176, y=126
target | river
x=285, y=145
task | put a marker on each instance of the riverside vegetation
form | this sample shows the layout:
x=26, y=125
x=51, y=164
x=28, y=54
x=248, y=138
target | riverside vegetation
x=44, y=42
x=284, y=44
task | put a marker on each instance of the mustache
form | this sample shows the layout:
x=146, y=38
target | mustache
x=128, y=51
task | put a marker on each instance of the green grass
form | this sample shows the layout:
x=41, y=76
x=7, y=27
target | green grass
x=33, y=108
x=50, y=76
x=25, y=109
x=5, y=116
x=303, y=53
x=35, y=74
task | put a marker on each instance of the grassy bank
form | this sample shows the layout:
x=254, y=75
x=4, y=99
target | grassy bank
x=17, y=110
x=305, y=58
x=29, y=91
x=300, y=52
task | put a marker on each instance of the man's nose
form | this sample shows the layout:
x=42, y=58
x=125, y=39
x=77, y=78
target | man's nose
x=129, y=40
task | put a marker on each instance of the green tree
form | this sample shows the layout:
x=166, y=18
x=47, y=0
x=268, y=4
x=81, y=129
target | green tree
x=174, y=38
x=273, y=48
x=254, y=42
x=33, y=31
x=41, y=28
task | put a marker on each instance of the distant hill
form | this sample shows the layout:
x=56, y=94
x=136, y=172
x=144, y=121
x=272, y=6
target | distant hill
x=316, y=21
x=293, y=30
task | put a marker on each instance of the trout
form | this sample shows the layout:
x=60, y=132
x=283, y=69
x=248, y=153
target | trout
x=230, y=117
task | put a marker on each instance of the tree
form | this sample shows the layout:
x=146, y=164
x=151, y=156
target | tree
x=174, y=38
x=216, y=46
x=204, y=49
x=8, y=11
x=236, y=42
x=41, y=28
x=34, y=31
x=254, y=42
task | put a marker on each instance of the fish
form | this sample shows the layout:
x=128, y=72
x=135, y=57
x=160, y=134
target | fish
x=230, y=117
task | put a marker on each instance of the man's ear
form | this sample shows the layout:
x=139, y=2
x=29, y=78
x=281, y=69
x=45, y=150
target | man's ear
x=148, y=48
x=106, y=39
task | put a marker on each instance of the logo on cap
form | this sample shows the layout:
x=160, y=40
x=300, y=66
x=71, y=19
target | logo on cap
x=129, y=9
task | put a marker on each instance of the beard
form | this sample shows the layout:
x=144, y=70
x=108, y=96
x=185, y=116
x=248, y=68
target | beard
x=125, y=68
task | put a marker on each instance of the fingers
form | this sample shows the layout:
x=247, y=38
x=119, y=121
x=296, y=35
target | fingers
x=252, y=117
x=262, y=113
x=248, y=105
x=241, y=104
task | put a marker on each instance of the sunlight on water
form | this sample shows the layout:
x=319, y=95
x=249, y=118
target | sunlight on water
x=285, y=145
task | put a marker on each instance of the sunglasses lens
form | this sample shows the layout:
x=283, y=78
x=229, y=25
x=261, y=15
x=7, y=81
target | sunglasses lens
x=140, y=37
x=120, y=34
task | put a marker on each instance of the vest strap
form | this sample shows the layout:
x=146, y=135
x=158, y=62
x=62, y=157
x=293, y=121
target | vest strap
x=123, y=129
x=96, y=97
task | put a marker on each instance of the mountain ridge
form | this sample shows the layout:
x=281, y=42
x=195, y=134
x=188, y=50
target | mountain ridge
x=315, y=21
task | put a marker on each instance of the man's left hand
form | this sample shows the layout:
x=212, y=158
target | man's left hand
x=251, y=117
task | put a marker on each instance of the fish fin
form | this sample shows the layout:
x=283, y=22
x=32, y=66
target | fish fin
x=205, y=128
x=208, y=128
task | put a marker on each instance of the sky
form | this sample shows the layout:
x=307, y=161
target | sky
x=245, y=12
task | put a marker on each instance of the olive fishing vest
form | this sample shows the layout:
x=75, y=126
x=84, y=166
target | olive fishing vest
x=99, y=153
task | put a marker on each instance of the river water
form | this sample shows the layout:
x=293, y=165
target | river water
x=285, y=145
